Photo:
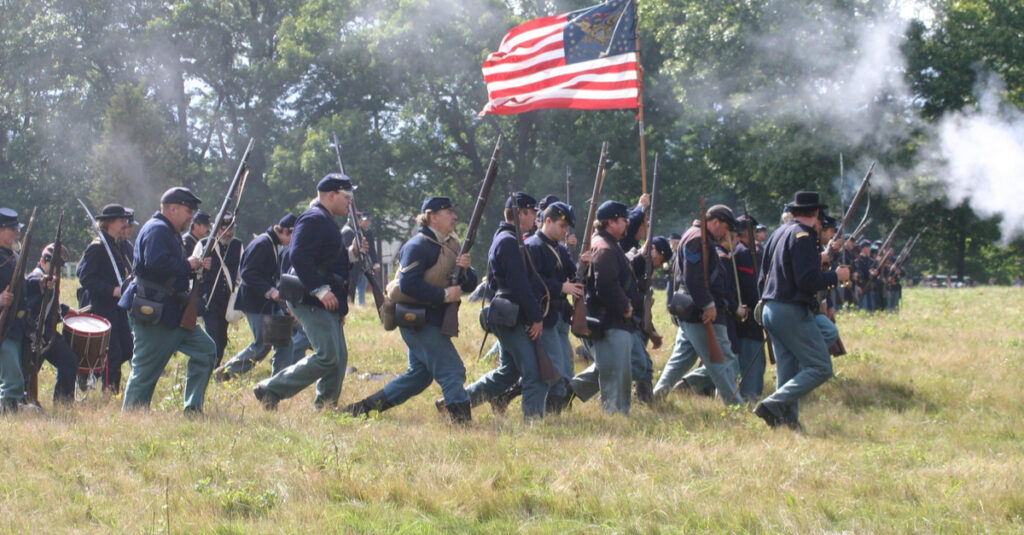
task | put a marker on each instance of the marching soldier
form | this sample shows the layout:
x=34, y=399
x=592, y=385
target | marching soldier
x=863, y=268
x=322, y=266
x=789, y=279
x=125, y=240
x=98, y=273
x=709, y=298
x=556, y=270
x=258, y=296
x=60, y=353
x=610, y=293
x=219, y=281
x=199, y=229
x=154, y=302
x=509, y=280
x=12, y=381
x=426, y=261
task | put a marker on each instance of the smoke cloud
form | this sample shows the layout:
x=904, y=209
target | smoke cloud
x=978, y=156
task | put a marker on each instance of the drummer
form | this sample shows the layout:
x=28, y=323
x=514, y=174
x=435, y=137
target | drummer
x=59, y=354
x=101, y=289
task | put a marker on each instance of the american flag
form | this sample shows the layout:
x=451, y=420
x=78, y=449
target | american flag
x=584, y=59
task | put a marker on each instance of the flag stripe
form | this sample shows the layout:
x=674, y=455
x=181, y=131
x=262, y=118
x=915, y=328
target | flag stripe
x=528, y=84
x=529, y=71
x=554, y=70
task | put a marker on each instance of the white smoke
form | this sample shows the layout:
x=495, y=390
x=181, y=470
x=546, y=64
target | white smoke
x=978, y=155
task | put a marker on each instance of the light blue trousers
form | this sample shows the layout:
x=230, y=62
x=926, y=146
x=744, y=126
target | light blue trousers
x=691, y=344
x=752, y=368
x=586, y=384
x=12, y=381
x=154, y=346
x=325, y=366
x=432, y=357
x=517, y=359
x=801, y=352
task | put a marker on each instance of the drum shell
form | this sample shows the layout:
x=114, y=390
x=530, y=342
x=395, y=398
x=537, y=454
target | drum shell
x=90, y=346
x=276, y=330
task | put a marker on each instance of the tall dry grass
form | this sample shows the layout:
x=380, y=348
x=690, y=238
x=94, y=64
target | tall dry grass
x=920, y=431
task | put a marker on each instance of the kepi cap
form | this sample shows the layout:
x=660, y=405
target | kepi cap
x=558, y=210
x=722, y=213
x=288, y=221
x=662, y=245
x=201, y=218
x=335, y=182
x=181, y=195
x=9, y=218
x=611, y=210
x=436, y=204
x=524, y=200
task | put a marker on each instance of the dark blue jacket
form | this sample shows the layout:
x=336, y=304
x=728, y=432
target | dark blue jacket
x=792, y=269
x=611, y=286
x=260, y=271
x=17, y=319
x=232, y=258
x=731, y=293
x=318, y=257
x=34, y=300
x=550, y=264
x=98, y=279
x=160, y=260
x=418, y=255
x=508, y=274
x=691, y=271
x=748, y=291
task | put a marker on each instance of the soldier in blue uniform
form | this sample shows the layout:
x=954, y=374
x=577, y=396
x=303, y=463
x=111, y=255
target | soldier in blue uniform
x=12, y=381
x=59, y=354
x=258, y=296
x=426, y=261
x=218, y=282
x=322, y=267
x=710, y=298
x=789, y=279
x=509, y=279
x=98, y=276
x=155, y=300
x=864, y=267
x=556, y=269
x=125, y=241
x=751, y=336
x=199, y=229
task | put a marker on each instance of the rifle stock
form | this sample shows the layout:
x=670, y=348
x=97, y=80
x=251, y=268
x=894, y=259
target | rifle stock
x=450, y=324
x=715, y=353
x=579, y=310
x=190, y=315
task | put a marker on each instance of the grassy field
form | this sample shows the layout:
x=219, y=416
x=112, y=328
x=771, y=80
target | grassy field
x=921, y=431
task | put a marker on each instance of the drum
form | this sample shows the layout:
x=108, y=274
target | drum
x=89, y=337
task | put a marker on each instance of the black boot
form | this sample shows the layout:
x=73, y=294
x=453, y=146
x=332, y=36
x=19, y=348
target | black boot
x=500, y=402
x=460, y=413
x=555, y=404
x=375, y=402
x=645, y=392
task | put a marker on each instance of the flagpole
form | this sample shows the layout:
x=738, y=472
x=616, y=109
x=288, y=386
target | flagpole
x=640, y=99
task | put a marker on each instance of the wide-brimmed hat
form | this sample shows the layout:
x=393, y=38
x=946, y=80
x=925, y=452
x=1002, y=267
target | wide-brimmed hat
x=114, y=211
x=806, y=199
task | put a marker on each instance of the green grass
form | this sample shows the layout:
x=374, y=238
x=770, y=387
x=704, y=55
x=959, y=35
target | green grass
x=920, y=431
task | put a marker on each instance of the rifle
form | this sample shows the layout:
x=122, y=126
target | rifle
x=647, y=317
x=864, y=189
x=17, y=283
x=548, y=373
x=49, y=311
x=371, y=277
x=886, y=246
x=579, y=311
x=191, y=312
x=714, y=348
x=757, y=273
x=106, y=246
x=902, y=257
x=450, y=324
